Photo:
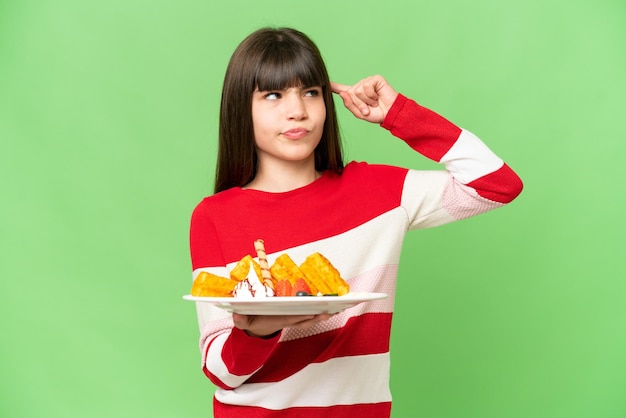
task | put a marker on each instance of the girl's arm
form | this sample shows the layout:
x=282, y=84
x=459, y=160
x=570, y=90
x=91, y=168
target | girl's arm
x=464, y=155
x=229, y=355
x=476, y=179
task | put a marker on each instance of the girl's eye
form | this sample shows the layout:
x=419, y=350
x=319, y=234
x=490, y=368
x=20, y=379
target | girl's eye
x=272, y=96
x=313, y=92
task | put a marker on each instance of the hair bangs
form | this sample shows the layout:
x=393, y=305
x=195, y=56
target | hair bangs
x=281, y=68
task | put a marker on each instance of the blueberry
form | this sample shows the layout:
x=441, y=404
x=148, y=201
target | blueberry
x=302, y=293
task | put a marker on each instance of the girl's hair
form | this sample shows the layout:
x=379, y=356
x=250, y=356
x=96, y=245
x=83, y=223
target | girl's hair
x=269, y=59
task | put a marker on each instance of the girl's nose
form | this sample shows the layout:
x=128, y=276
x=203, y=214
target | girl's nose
x=296, y=109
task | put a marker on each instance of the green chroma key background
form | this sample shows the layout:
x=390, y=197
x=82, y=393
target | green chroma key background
x=108, y=124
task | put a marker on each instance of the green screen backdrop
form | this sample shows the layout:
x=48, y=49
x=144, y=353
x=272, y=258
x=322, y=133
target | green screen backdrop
x=108, y=126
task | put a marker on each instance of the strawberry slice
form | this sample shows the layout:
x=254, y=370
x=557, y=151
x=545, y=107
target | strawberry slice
x=283, y=288
x=300, y=286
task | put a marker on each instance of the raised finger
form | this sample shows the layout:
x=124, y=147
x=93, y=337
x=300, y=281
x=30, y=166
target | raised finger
x=353, y=104
x=338, y=88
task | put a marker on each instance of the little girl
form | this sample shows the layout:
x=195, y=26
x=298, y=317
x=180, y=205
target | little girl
x=281, y=177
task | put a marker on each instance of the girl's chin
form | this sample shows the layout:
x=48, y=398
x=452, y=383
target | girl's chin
x=297, y=155
x=296, y=159
x=290, y=154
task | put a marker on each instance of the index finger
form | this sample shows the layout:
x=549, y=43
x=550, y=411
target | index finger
x=338, y=88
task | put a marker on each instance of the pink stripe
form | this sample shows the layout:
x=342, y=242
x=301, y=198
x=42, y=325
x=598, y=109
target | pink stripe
x=462, y=202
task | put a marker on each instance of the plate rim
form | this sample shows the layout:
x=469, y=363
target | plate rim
x=279, y=305
x=349, y=297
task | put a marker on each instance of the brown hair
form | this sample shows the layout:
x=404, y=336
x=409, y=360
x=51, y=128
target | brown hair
x=269, y=59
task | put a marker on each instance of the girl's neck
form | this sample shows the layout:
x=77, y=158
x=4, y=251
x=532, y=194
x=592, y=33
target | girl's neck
x=283, y=177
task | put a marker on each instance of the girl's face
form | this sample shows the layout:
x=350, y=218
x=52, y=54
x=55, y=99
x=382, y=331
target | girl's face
x=288, y=124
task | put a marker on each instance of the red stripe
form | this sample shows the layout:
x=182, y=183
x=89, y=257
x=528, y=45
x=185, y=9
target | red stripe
x=362, y=335
x=243, y=354
x=250, y=355
x=367, y=334
x=371, y=190
x=503, y=185
x=425, y=131
x=378, y=410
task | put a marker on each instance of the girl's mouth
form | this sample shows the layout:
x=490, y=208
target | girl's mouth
x=295, y=133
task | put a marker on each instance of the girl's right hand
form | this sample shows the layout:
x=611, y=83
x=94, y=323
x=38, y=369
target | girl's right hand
x=265, y=325
x=370, y=99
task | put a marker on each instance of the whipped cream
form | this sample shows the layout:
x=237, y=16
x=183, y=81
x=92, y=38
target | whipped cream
x=252, y=287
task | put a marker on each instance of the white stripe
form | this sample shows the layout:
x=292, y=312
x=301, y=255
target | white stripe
x=422, y=197
x=469, y=158
x=339, y=381
x=378, y=242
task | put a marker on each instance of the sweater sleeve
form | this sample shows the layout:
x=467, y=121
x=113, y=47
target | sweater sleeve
x=229, y=355
x=475, y=180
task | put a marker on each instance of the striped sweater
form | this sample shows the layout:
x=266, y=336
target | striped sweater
x=338, y=368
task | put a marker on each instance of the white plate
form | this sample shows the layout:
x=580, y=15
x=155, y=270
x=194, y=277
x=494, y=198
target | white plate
x=289, y=305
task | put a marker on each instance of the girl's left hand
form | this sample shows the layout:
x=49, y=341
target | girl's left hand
x=370, y=99
x=265, y=325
